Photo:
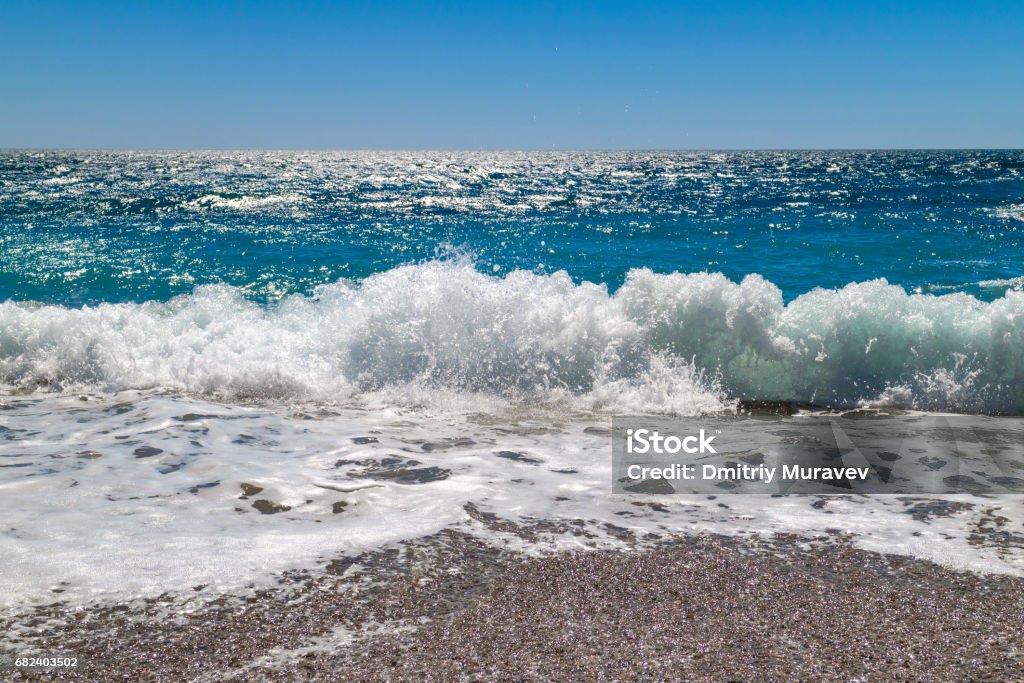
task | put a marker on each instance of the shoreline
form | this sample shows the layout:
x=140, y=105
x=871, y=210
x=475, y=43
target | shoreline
x=451, y=607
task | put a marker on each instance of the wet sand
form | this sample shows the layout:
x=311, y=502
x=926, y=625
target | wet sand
x=450, y=608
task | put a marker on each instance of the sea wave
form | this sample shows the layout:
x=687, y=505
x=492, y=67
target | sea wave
x=674, y=343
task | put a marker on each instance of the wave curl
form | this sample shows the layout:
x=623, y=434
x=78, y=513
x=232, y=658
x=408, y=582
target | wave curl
x=682, y=343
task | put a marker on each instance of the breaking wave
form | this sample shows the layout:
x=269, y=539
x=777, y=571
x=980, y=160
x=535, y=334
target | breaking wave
x=676, y=343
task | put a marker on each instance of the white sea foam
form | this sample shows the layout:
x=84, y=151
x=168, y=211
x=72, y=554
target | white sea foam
x=1014, y=283
x=117, y=497
x=677, y=343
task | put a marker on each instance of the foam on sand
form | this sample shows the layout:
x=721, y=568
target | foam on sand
x=134, y=495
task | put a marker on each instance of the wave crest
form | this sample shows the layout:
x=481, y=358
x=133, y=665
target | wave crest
x=684, y=343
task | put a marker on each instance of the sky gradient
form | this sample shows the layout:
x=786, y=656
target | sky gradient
x=526, y=75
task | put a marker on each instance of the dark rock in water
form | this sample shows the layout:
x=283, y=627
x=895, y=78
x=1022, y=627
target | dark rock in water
x=725, y=485
x=932, y=463
x=192, y=417
x=339, y=507
x=207, y=485
x=365, y=462
x=753, y=458
x=888, y=457
x=650, y=486
x=566, y=470
x=1015, y=483
x=416, y=475
x=147, y=451
x=786, y=432
x=167, y=469
x=88, y=455
x=657, y=507
x=250, y=489
x=446, y=444
x=962, y=483
x=598, y=431
x=617, y=531
x=518, y=457
x=397, y=469
x=363, y=440
x=923, y=510
x=268, y=508
x=244, y=438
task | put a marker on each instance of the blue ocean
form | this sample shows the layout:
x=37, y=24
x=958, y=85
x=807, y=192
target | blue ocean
x=220, y=366
x=829, y=278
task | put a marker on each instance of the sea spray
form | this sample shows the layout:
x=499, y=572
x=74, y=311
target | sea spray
x=661, y=343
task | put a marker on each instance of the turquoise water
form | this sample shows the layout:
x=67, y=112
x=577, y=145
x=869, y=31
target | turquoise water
x=647, y=281
x=89, y=227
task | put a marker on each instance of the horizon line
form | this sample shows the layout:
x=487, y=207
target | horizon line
x=425, y=148
x=511, y=149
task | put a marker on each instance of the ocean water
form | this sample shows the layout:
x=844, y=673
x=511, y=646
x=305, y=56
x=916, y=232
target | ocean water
x=383, y=342
x=643, y=281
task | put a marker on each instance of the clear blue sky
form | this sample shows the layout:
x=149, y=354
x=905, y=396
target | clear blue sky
x=533, y=75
